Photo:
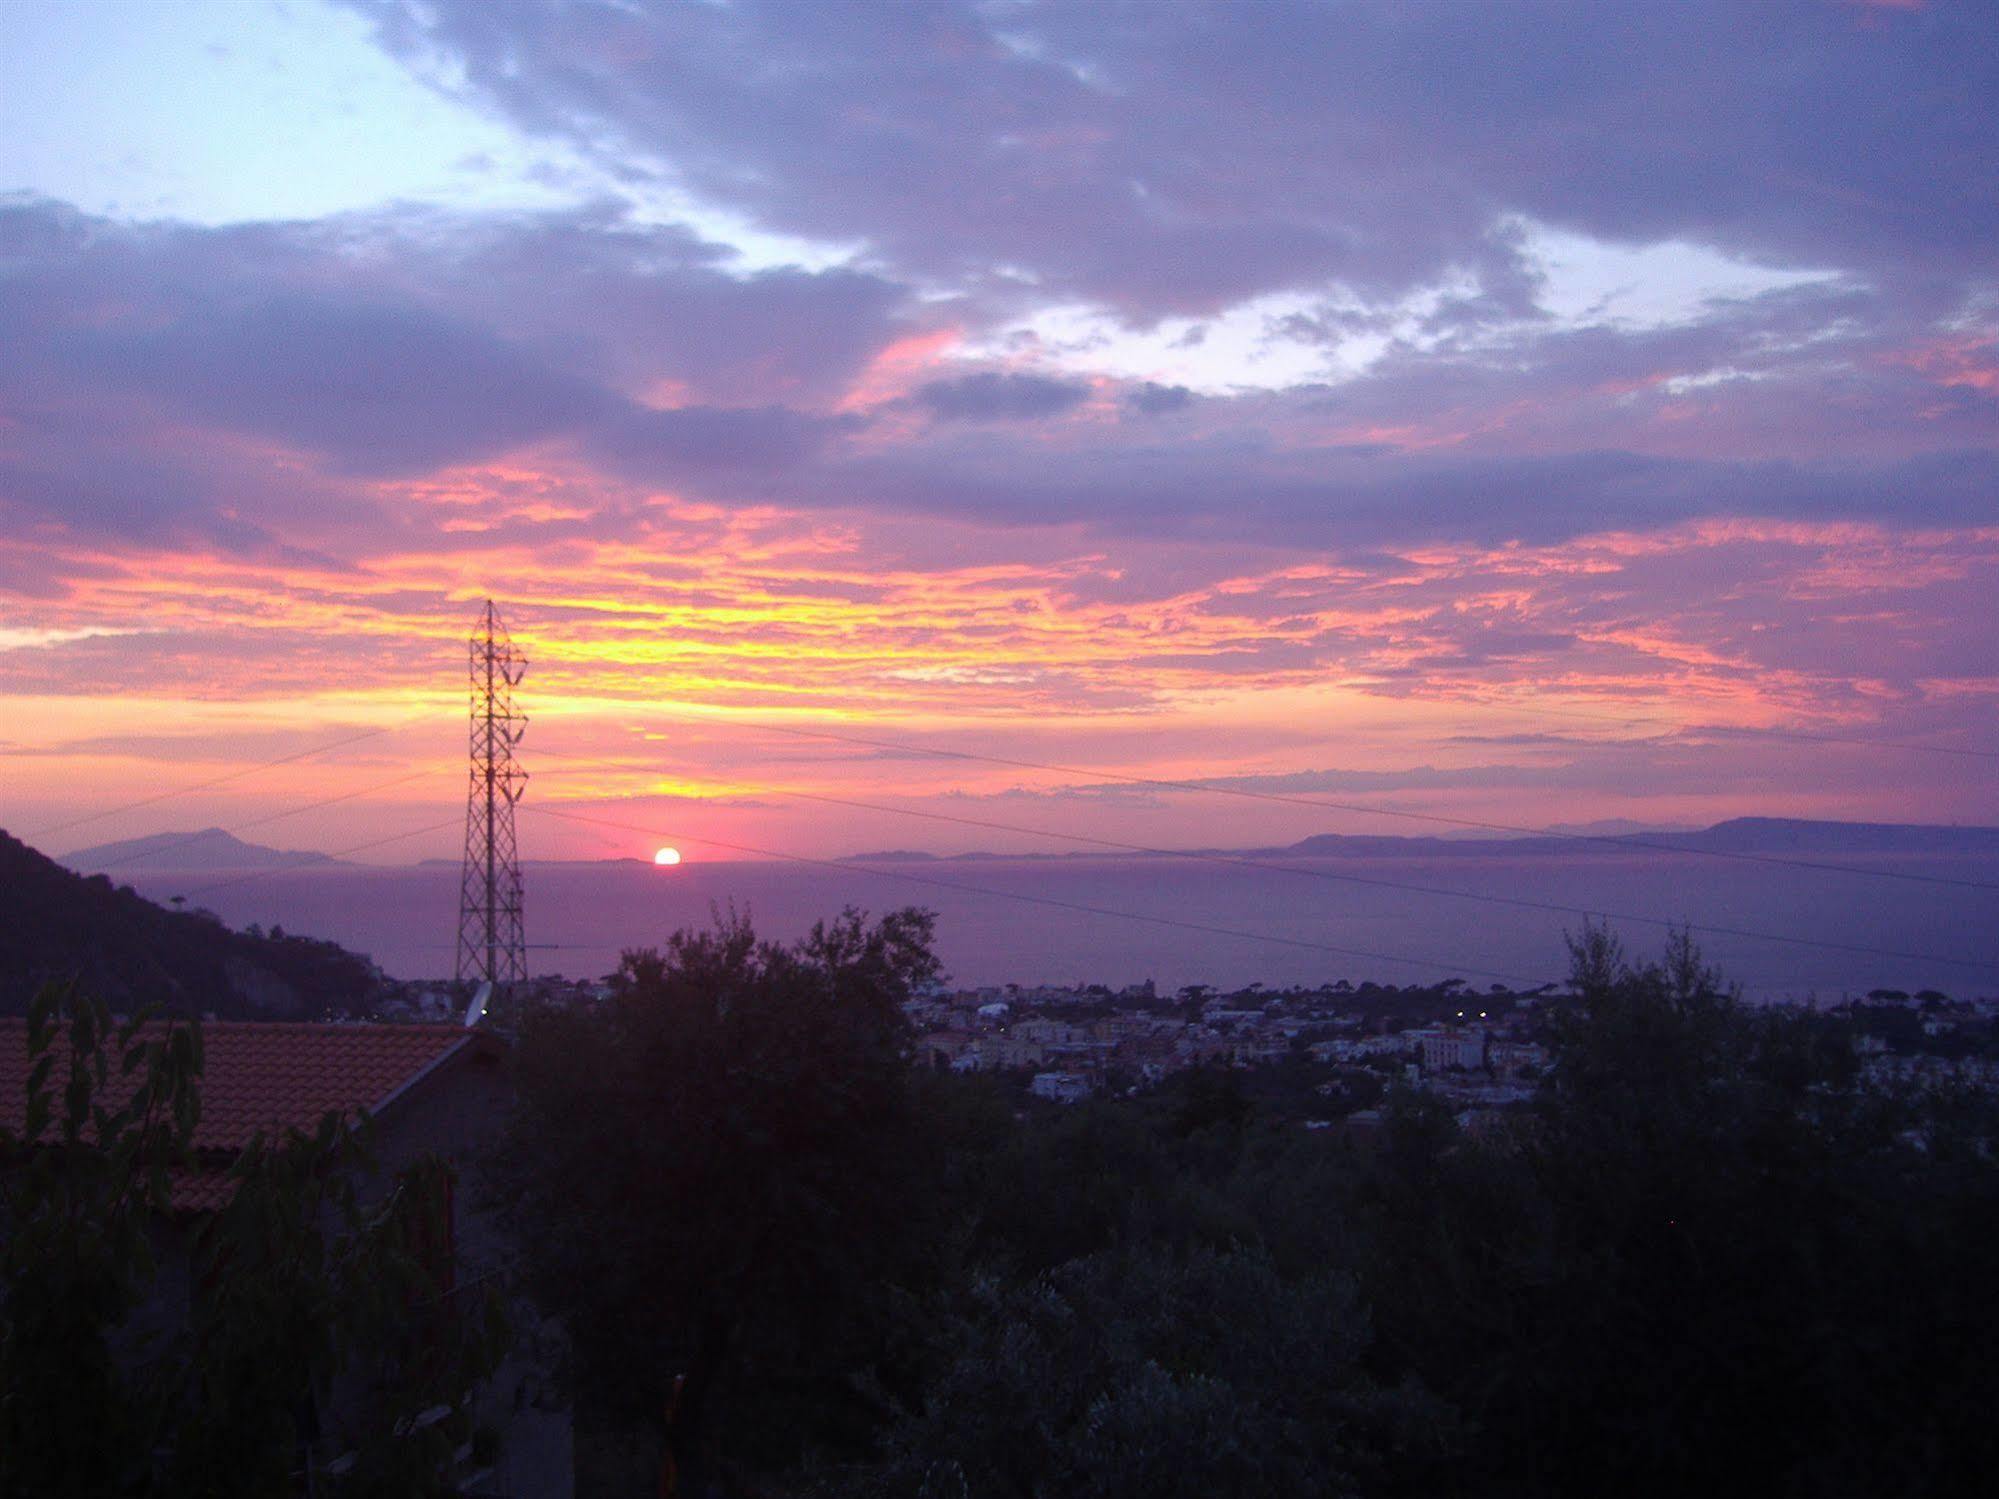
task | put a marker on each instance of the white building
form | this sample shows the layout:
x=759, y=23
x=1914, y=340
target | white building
x=1443, y=1046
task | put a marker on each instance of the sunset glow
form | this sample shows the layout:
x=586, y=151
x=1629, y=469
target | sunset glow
x=1542, y=506
x=1311, y=688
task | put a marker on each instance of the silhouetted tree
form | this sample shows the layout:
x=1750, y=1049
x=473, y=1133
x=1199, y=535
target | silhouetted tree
x=709, y=1172
x=1710, y=1261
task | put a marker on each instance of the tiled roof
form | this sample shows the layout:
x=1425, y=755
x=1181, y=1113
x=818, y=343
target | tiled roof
x=200, y=1191
x=271, y=1075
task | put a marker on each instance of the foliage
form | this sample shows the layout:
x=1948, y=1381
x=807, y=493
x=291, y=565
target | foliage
x=1710, y=1257
x=710, y=1176
x=1143, y=1373
x=298, y=1323
x=80, y=1185
x=1713, y=1261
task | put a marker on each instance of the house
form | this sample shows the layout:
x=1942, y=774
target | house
x=1060, y=1087
x=426, y=1089
x=942, y=1048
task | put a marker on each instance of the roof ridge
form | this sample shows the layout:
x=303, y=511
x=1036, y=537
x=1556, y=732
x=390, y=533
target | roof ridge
x=339, y=1027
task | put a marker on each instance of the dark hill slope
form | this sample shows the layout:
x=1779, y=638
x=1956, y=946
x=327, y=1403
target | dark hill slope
x=55, y=924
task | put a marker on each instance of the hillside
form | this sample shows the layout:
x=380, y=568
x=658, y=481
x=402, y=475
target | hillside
x=132, y=952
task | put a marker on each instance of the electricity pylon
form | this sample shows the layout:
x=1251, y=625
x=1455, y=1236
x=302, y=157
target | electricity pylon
x=491, y=945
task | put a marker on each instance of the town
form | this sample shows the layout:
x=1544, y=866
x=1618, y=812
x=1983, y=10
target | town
x=1320, y=1055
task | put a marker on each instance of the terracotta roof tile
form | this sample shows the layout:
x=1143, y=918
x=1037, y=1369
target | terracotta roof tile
x=201, y=1191
x=270, y=1075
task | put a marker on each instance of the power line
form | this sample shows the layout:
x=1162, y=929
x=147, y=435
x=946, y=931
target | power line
x=234, y=775
x=338, y=853
x=849, y=865
x=257, y=822
x=1308, y=872
x=1519, y=902
x=1806, y=736
x=1625, y=844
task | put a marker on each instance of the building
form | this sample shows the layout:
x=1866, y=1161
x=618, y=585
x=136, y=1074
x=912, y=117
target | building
x=1441, y=1047
x=427, y=1090
x=942, y=1048
x=1511, y=1058
x=1060, y=1087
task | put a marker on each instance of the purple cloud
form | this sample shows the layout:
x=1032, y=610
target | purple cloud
x=1153, y=399
x=372, y=348
x=990, y=397
x=684, y=442
x=1180, y=157
x=374, y=387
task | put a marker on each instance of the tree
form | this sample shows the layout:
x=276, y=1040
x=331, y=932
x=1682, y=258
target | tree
x=1710, y=1260
x=1145, y=1373
x=712, y=1176
x=117, y=1379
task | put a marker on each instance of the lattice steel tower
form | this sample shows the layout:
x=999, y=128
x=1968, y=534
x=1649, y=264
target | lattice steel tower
x=490, y=941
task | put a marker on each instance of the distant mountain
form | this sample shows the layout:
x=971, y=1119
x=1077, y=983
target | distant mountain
x=211, y=848
x=622, y=859
x=1773, y=835
x=1790, y=835
x=130, y=952
x=1603, y=827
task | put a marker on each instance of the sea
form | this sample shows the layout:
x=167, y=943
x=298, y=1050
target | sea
x=1896, y=921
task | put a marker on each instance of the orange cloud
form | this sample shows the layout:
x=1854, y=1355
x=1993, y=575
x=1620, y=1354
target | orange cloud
x=1971, y=363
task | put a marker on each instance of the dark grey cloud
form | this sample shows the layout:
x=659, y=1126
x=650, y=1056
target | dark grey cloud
x=138, y=356
x=99, y=468
x=1177, y=156
x=995, y=397
x=1365, y=497
x=635, y=305
x=1153, y=399
x=141, y=358
x=416, y=338
x=1817, y=369
x=376, y=387
x=654, y=444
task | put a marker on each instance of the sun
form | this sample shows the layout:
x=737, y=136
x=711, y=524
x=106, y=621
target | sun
x=667, y=856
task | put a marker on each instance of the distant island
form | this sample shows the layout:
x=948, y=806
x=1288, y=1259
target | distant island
x=210, y=848
x=213, y=848
x=1765, y=835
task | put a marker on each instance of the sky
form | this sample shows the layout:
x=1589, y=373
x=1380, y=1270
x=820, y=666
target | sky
x=1532, y=413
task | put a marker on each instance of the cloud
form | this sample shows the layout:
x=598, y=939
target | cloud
x=1180, y=158
x=324, y=394
x=1356, y=496
x=990, y=397
x=168, y=382
x=374, y=387
x=1192, y=384
x=654, y=445
x=1153, y=399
